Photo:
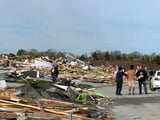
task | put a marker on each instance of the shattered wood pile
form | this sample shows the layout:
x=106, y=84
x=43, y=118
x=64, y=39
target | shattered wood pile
x=45, y=99
x=101, y=74
x=94, y=74
x=33, y=101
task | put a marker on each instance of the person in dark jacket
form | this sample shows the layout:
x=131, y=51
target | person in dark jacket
x=119, y=81
x=142, y=76
x=54, y=73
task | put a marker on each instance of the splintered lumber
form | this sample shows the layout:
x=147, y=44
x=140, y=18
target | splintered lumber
x=15, y=98
x=37, y=108
x=7, y=93
x=57, y=102
x=20, y=104
x=7, y=115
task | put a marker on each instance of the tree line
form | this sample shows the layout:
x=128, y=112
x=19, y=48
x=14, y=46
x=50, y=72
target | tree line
x=96, y=55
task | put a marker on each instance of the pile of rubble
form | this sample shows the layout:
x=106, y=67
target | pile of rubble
x=38, y=97
x=31, y=100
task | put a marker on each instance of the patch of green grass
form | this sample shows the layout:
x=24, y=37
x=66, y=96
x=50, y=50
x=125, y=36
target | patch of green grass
x=33, y=81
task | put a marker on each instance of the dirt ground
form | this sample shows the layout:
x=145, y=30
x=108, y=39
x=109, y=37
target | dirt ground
x=126, y=64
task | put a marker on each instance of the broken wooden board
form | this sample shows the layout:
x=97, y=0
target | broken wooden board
x=46, y=110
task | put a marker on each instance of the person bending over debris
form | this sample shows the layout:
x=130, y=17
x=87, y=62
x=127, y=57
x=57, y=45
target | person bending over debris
x=54, y=73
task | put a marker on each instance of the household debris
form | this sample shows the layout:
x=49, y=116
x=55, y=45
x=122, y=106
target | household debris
x=67, y=96
x=49, y=98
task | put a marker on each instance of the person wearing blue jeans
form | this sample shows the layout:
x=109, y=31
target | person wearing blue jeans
x=119, y=81
x=54, y=73
x=54, y=78
x=140, y=86
x=142, y=77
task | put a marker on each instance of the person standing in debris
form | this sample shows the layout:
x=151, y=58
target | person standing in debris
x=131, y=73
x=142, y=76
x=54, y=73
x=119, y=81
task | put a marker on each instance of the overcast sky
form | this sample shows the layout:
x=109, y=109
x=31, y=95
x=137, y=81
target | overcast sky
x=80, y=26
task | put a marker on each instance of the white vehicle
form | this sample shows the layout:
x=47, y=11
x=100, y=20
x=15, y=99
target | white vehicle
x=155, y=81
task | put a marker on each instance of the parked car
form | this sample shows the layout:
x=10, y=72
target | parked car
x=155, y=81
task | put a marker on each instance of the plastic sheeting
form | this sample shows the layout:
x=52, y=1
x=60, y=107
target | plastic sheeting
x=3, y=84
x=42, y=64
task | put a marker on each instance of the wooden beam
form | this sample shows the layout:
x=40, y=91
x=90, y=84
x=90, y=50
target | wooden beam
x=58, y=102
x=47, y=110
